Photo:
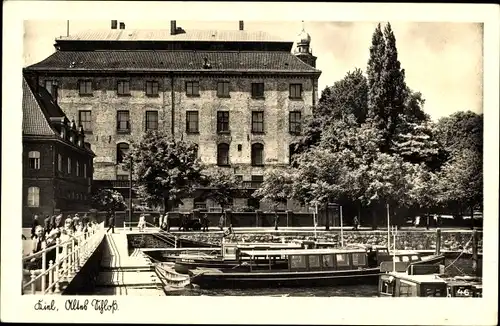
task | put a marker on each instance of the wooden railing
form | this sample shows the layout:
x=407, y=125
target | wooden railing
x=70, y=256
x=168, y=238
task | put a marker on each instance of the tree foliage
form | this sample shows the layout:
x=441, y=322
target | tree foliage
x=277, y=186
x=222, y=184
x=108, y=200
x=165, y=168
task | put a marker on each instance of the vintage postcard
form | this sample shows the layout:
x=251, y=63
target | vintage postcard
x=281, y=163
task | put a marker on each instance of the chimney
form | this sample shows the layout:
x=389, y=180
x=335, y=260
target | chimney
x=114, y=24
x=122, y=25
x=241, y=25
x=173, y=27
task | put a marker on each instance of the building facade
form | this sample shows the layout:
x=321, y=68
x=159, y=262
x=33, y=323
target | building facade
x=57, y=162
x=241, y=96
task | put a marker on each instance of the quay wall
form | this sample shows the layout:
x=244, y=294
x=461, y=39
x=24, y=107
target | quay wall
x=415, y=240
x=85, y=280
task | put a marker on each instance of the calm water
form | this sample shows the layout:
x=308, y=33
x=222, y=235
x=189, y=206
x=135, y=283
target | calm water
x=464, y=265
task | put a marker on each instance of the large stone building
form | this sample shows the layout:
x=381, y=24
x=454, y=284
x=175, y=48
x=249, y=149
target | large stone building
x=239, y=95
x=57, y=162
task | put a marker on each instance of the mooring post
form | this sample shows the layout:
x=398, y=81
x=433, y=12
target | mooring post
x=474, y=252
x=438, y=241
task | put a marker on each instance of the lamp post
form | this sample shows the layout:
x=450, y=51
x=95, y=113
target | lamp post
x=130, y=195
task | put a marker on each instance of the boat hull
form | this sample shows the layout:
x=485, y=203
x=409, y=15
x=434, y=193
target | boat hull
x=210, y=280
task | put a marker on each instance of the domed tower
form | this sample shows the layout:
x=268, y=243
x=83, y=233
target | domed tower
x=303, y=49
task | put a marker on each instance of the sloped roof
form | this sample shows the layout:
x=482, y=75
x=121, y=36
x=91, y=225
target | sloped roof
x=34, y=120
x=150, y=60
x=164, y=35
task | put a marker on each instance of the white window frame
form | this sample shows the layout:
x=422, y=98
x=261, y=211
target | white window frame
x=35, y=156
x=33, y=197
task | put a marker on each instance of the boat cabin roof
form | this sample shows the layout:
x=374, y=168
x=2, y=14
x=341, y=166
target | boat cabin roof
x=425, y=278
x=281, y=252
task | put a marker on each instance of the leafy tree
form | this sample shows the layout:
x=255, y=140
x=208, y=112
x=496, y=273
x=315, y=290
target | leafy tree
x=277, y=186
x=166, y=169
x=461, y=130
x=108, y=200
x=413, y=108
x=387, y=92
x=348, y=96
x=222, y=185
x=461, y=180
x=419, y=145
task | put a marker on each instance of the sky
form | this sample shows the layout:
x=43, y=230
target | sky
x=443, y=61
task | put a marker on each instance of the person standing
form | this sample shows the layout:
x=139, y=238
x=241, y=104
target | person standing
x=111, y=222
x=276, y=221
x=221, y=222
x=167, y=221
x=34, y=224
x=155, y=221
x=205, y=222
x=356, y=223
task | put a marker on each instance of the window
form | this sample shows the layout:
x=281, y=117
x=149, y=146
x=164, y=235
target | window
x=59, y=162
x=314, y=261
x=33, y=197
x=258, y=121
x=222, y=121
x=297, y=261
x=123, y=87
x=122, y=177
x=257, y=154
x=223, y=154
x=192, y=121
x=295, y=91
x=295, y=122
x=358, y=259
x=51, y=87
x=151, y=120
x=223, y=89
x=84, y=170
x=292, y=151
x=407, y=289
x=152, y=88
x=34, y=160
x=257, y=181
x=123, y=121
x=192, y=88
x=77, y=168
x=69, y=165
x=121, y=150
x=195, y=150
x=85, y=87
x=85, y=120
x=257, y=90
x=327, y=261
x=342, y=260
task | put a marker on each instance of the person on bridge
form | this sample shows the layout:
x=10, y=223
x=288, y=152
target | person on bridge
x=276, y=221
x=34, y=224
x=111, y=223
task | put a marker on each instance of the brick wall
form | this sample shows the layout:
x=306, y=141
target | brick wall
x=104, y=102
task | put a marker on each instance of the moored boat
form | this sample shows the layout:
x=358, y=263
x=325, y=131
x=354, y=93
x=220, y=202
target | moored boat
x=305, y=267
x=427, y=281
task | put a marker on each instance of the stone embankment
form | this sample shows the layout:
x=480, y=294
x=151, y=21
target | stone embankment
x=415, y=239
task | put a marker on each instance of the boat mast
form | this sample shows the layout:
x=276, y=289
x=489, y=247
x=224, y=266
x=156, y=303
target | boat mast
x=341, y=229
x=388, y=229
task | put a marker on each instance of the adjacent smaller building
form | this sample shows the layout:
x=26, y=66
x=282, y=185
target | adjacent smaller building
x=57, y=162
